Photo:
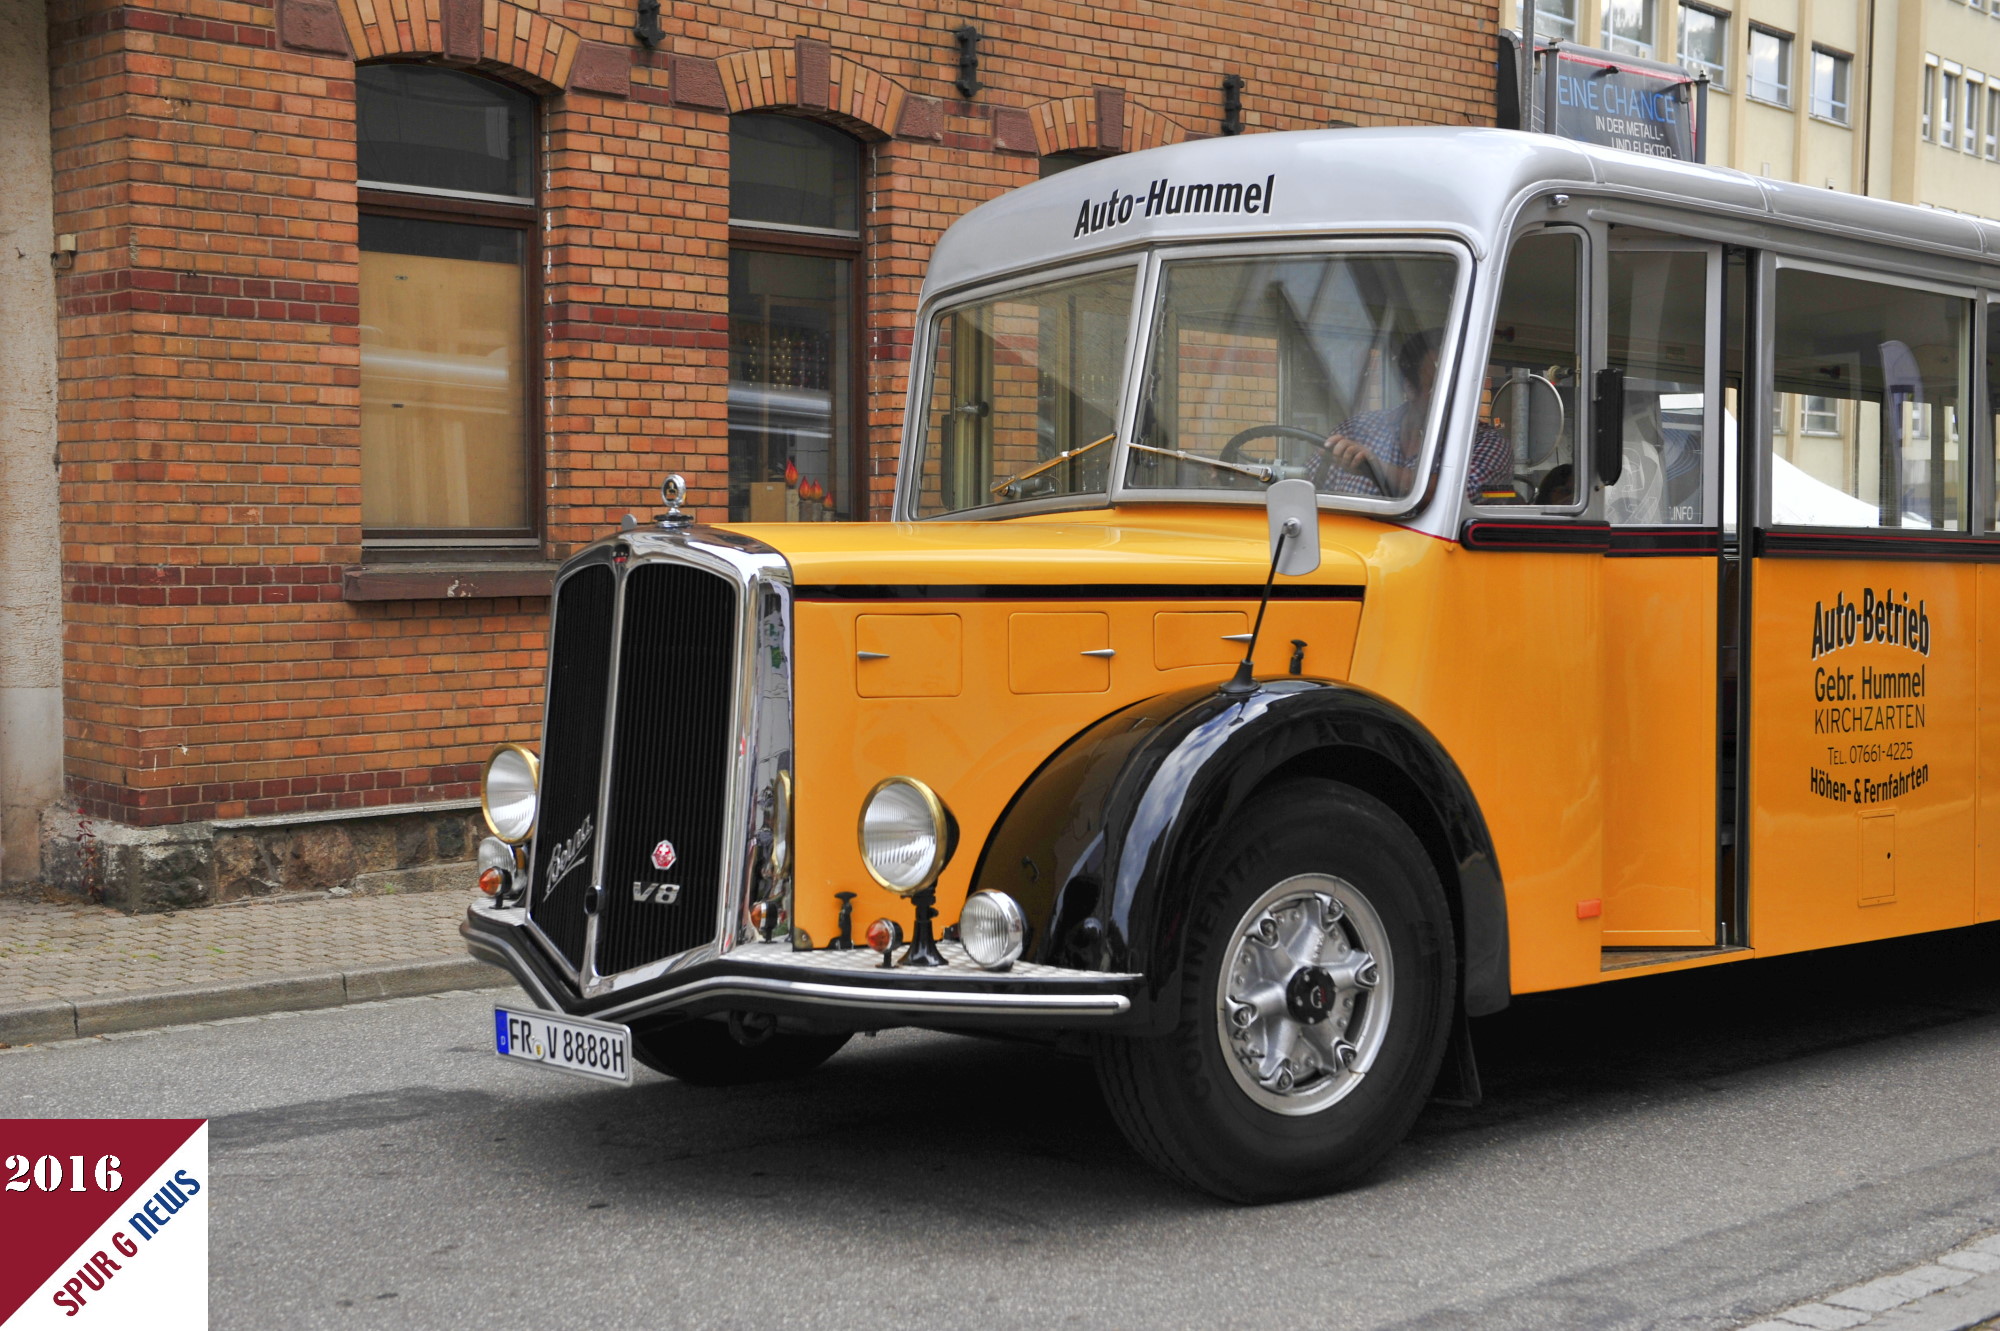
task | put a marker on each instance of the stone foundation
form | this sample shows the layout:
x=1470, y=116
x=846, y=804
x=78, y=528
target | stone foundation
x=140, y=869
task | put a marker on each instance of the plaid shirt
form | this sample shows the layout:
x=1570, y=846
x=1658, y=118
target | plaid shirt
x=1381, y=433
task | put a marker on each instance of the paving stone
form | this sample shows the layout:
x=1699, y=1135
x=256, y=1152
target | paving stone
x=1980, y=1262
x=1894, y=1291
x=60, y=951
x=1821, y=1317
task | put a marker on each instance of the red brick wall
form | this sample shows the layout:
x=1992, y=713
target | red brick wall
x=210, y=358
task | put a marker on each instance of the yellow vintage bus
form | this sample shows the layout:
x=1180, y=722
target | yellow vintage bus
x=1553, y=683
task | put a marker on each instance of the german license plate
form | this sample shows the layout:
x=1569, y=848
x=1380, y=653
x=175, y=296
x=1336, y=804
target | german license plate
x=568, y=1044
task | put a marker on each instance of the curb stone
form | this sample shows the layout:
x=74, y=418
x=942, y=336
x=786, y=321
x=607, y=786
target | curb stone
x=1958, y=1292
x=68, y=1019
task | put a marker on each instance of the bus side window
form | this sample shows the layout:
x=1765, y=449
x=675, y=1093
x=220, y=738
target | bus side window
x=1658, y=335
x=1524, y=451
x=1868, y=378
x=1993, y=402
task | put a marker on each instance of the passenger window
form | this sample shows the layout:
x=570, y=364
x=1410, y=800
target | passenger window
x=1658, y=335
x=1524, y=452
x=1868, y=379
x=1993, y=402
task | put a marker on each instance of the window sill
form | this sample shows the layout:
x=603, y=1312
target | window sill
x=1766, y=101
x=461, y=580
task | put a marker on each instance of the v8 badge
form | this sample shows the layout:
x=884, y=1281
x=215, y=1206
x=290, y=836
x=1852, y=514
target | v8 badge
x=663, y=856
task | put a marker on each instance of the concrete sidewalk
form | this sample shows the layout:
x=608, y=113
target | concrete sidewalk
x=73, y=970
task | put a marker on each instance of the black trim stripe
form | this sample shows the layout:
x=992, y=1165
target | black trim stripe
x=1088, y=591
x=1559, y=537
x=1655, y=542
x=1896, y=545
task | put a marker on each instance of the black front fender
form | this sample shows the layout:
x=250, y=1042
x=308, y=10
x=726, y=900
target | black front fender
x=1103, y=844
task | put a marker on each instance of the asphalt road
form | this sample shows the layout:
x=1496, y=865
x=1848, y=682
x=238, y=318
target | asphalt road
x=1686, y=1151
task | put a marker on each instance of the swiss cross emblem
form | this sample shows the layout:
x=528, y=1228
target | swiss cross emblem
x=663, y=855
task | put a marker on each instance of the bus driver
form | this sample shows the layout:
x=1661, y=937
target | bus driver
x=1373, y=453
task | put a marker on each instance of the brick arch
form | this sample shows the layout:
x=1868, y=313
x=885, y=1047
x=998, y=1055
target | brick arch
x=1104, y=120
x=810, y=78
x=492, y=36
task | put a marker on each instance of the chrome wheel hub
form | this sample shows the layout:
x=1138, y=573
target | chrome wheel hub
x=1303, y=1003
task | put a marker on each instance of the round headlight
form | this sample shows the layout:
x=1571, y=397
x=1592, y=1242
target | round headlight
x=905, y=835
x=993, y=929
x=508, y=793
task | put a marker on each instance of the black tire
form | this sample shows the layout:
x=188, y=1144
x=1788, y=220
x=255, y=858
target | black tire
x=707, y=1053
x=1176, y=1097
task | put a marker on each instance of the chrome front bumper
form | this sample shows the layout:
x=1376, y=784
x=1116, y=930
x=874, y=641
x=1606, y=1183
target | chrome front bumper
x=848, y=988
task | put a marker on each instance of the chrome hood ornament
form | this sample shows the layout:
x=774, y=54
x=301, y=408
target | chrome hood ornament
x=674, y=491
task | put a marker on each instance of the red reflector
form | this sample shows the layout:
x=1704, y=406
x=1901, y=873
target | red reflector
x=490, y=881
x=1589, y=910
x=884, y=935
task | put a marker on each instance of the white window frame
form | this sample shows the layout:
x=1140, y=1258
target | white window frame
x=1787, y=59
x=1550, y=26
x=1992, y=136
x=1930, y=95
x=1807, y=415
x=1947, y=120
x=1629, y=46
x=1844, y=63
x=1969, y=124
x=1718, y=75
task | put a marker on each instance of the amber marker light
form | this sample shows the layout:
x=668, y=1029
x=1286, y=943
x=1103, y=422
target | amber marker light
x=497, y=865
x=885, y=936
x=509, y=792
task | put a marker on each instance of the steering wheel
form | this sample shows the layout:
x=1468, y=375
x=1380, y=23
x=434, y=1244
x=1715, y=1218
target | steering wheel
x=1233, y=450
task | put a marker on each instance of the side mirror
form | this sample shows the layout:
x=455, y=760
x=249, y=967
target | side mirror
x=1293, y=509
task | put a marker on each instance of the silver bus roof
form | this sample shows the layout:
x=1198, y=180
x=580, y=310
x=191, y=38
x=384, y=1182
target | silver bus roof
x=1463, y=182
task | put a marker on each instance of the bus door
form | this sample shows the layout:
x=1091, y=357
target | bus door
x=1861, y=609
x=1663, y=316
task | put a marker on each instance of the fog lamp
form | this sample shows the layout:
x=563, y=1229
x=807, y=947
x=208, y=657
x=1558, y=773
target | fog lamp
x=993, y=929
x=508, y=793
x=906, y=835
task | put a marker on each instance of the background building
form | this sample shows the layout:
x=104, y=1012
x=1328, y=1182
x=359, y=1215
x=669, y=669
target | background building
x=1899, y=99
x=347, y=319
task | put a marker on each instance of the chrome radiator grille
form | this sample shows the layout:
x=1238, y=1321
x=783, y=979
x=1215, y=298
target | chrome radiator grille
x=670, y=762
x=572, y=757
x=663, y=726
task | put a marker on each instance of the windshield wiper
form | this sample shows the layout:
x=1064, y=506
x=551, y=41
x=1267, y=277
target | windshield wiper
x=1264, y=474
x=1005, y=489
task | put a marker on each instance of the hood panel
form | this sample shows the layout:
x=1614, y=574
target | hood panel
x=1165, y=547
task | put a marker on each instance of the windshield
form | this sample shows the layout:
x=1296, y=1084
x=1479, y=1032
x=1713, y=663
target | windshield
x=1023, y=394
x=1276, y=366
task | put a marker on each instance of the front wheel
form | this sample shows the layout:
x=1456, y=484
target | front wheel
x=1315, y=1005
x=714, y=1053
